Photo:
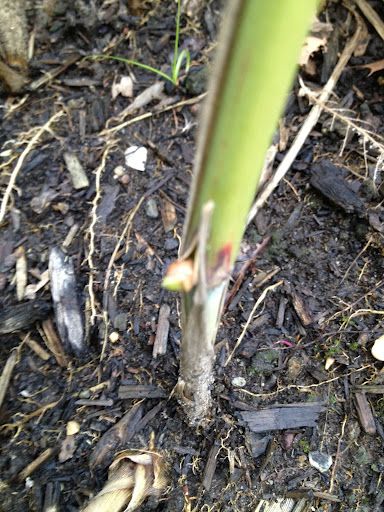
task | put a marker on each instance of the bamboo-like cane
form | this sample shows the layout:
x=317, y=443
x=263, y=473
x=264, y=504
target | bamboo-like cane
x=258, y=50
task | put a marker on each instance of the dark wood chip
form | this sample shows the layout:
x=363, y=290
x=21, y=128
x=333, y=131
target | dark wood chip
x=22, y=316
x=68, y=314
x=52, y=496
x=330, y=181
x=364, y=412
x=283, y=417
x=299, y=305
x=108, y=402
x=116, y=437
x=149, y=416
x=210, y=467
x=161, y=340
x=281, y=312
x=141, y=391
x=374, y=389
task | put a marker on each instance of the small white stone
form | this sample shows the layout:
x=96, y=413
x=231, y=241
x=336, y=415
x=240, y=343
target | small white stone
x=72, y=428
x=320, y=461
x=378, y=349
x=29, y=483
x=118, y=171
x=124, y=87
x=329, y=362
x=114, y=337
x=136, y=157
x=238, y=382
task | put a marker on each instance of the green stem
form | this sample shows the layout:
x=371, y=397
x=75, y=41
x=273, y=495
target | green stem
x=256, y=61
x=177, y=36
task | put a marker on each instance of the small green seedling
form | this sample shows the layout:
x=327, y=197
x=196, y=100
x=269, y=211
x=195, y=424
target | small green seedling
x=179, y=57
x=304, y=445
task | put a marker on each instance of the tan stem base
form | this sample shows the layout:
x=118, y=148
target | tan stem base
x=200, y=324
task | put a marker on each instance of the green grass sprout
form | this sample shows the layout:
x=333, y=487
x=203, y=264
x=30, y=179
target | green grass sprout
x=179, y=57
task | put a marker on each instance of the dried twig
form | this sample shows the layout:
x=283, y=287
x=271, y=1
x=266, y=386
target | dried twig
x=190, y=101
x=305, y=387
x=124, y=235
x=160, y=345
x=54, y=73
x=257, y=304
x=244, y=268
x=339, y=445
x=353, y=124
x=35, y=464
x=52, y=341
x=37, y=349
x=6, y=374
x=372, y=16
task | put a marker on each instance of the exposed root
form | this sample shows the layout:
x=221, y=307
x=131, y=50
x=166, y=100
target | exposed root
x=91, y=230
x=35, y=134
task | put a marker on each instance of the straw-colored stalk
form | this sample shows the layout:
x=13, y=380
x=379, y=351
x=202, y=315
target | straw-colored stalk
x=133, y=476
x=258, y=50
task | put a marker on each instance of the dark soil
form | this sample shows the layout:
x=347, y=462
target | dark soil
x=330, y=302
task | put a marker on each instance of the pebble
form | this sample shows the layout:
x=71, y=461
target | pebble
x=257, y=443
x=120, y=322
x=171, y=244
x=118, y=171
x=151, y=209
x=124, y=180
x=73, y=427
x=265, y=362
x=320, y=461
x=114, y=337
x=238, y=382
x=287, y=440
x=136, y=157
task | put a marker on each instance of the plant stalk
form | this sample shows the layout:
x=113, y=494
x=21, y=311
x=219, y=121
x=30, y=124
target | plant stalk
x=256, y=61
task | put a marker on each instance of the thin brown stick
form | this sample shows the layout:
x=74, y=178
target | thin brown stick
x=35, y=464
x=240, y=278
x=37, y=349
x=257, y=304
x=372, y=16
x=160, y=345
x=190, y=101
x=53, y=342
x=340, y=441
x=6, y=374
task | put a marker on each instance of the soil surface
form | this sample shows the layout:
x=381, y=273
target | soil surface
x=309, y=340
